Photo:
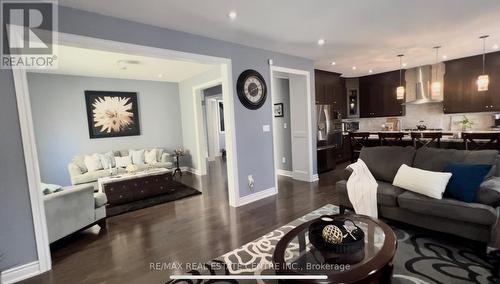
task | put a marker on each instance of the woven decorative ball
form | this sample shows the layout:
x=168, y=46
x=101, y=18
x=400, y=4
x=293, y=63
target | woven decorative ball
x=332, y=234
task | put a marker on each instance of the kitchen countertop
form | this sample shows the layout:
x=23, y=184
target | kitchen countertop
x=448, y=136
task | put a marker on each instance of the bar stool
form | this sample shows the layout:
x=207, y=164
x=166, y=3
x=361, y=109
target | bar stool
x=481, y=140
x=358, y=140
x=425, y=139
x=391, y=138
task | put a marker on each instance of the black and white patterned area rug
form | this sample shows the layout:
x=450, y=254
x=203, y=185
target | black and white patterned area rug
x=422, y=257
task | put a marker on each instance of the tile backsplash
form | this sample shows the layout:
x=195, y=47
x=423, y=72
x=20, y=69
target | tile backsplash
x=432, y=115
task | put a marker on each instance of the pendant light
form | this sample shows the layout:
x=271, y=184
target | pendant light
x=436, y=84
x=483, y=80
x=400, y=91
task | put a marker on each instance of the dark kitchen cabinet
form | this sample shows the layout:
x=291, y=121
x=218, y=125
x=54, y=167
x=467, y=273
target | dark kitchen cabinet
x=377, y=95
x=460, y=89
x=330, y=90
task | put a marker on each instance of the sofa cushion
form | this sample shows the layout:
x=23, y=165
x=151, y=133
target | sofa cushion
x=384, y=161
x=433, y=159
x=93, y=162
x=428, y=183
x=448, y=208
x=79, y=160
x=489, y=192
x=386, y=193
x=100, y=199
x=466, y=180
x=90, y=176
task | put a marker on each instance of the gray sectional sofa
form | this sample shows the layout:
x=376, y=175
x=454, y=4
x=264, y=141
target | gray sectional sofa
x=476, y=221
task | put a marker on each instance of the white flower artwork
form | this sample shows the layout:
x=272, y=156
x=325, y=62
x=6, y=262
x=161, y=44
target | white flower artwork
x=112, y=114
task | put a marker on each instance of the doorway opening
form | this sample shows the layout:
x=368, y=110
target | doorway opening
x=292, y=128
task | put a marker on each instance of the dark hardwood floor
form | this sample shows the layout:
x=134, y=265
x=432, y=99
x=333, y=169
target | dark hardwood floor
x=191, y=230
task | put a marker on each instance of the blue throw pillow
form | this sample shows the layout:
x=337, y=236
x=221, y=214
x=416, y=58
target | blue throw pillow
x=465, y=180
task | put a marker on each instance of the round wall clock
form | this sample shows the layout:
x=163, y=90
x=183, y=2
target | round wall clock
x=251, y=89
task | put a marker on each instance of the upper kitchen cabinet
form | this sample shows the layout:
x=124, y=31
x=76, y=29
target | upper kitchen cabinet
x=460, y=89
x=377, y=95
x=330, y=90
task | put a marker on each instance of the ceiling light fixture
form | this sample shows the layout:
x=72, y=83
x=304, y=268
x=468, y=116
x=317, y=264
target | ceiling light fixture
x=436, y=85
x=483, y=80
x=495, y=47
x=333, y=63
x=232, y=15
x=370, y=71
x=400, y=91
x=354, y=68
x=445, y=56
x=404, y=65
x=160, y=75
x=321, y=42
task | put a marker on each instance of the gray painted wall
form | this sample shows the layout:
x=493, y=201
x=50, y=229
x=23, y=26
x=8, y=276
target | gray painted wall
x=283, y=136
x=255, y=151
x=60, y=119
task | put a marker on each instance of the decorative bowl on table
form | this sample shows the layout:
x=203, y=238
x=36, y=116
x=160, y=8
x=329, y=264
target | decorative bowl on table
x=338, y=240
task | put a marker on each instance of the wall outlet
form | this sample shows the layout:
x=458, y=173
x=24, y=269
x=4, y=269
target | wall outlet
x=266, y=128
x=251, y=182
x=283, y=160
x=284, y=125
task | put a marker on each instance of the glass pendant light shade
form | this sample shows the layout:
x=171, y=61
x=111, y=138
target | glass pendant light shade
x=400, y=92
x=482, y=83
x=436, y=88
x=436, y=85
x=483, y=80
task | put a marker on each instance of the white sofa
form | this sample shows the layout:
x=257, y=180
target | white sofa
x=79, y=174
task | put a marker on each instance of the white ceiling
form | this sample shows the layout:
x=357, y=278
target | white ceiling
x=97, y=63
x=361, y=33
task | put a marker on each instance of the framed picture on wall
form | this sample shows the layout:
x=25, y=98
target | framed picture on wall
x=278, y=110
x=112, y=114
x=222, y=127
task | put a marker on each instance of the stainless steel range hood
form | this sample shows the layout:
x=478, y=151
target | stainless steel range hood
x=418, y=84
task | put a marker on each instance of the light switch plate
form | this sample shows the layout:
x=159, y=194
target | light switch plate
x=266, y=128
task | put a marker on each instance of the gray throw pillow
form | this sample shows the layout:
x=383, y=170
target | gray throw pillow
x=489, y=192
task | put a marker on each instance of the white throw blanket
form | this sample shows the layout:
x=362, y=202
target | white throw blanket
x=362, y=190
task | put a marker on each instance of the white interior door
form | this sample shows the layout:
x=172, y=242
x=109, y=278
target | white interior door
x=300, y=124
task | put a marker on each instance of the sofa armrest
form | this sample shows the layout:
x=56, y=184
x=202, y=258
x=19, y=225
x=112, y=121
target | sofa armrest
x=74, y=171
x=69, y=210
x=165, y=157
x=346, y=173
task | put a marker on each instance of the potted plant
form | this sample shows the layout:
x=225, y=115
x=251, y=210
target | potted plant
x=466, y=123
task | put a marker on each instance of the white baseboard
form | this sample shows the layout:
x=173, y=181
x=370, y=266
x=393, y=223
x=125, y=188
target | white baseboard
x=315, y=177
x=18, y=273
x=284, y=173
x=256, y=196
x=191, y=170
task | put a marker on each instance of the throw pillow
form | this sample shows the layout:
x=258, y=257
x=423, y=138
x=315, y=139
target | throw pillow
x=150, y=157
x=159, y=153
x=48, y=188
x=123, y=162
x=107, y=160
x=137, y=157
x=432, y=184
x=466, y=180
x=489, y=192
x=93, y=162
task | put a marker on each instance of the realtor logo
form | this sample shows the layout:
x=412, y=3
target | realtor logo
x=28, y=34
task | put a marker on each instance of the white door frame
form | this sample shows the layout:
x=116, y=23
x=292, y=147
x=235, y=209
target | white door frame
x=306, y=73
x=44, y=263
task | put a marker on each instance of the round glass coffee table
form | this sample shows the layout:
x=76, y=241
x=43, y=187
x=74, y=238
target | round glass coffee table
x=295, y=255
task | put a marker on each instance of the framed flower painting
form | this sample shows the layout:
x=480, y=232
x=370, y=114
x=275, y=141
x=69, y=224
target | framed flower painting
x=112, y=114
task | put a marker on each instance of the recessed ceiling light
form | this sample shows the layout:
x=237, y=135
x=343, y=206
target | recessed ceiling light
x=495, y=46
x=354, y=68
x=404, y=64
x=445, y=56
x=232, y=15
x=370, y=71
x=160, y=75
x=321, y=42
x=333, y=63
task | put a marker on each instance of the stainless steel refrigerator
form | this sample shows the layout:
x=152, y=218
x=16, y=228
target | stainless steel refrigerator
x=329, y=136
